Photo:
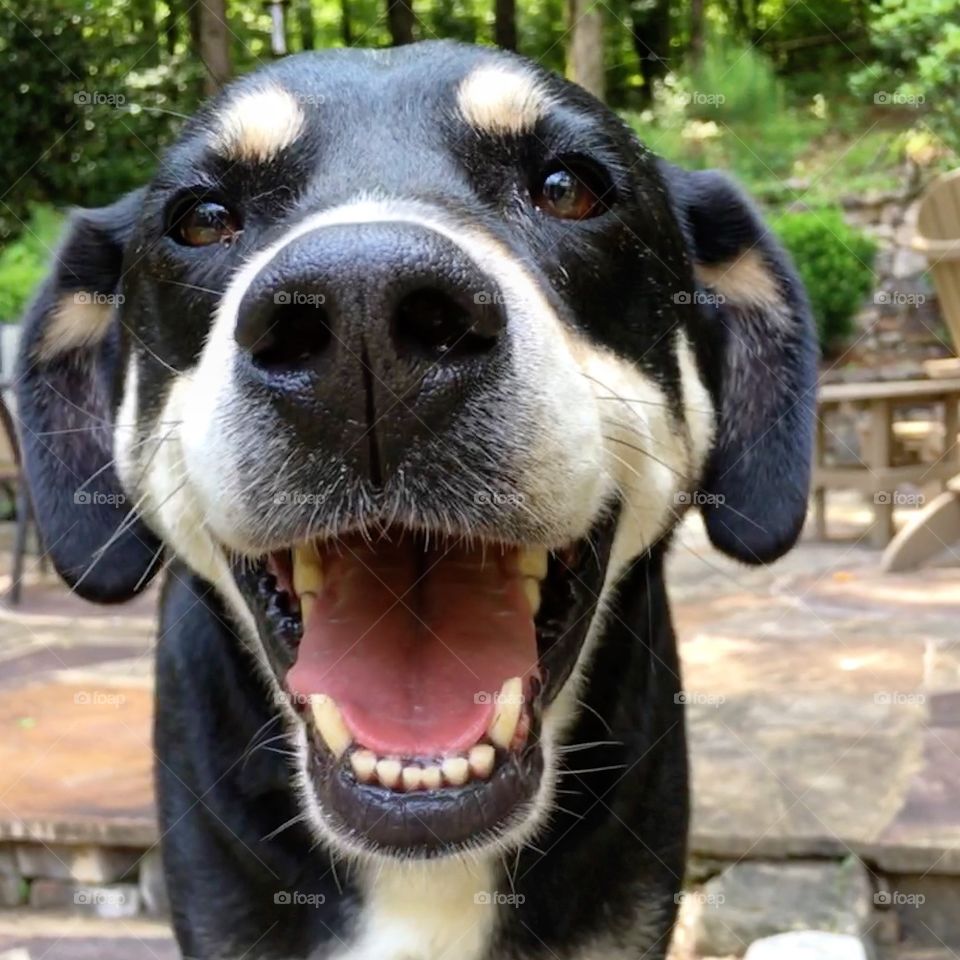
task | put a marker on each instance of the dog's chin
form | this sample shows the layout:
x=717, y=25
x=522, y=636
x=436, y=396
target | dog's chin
x=421, y=666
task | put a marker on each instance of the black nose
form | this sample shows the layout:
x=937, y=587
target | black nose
x=372, y=338
x=396, y=290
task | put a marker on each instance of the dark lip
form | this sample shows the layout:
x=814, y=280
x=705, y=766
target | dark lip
x=434, y=823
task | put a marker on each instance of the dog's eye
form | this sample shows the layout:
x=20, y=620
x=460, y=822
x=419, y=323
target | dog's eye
x=205, y=223
x=571, y=192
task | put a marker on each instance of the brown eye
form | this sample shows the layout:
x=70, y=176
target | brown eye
x=205, y=223
x=570, y=194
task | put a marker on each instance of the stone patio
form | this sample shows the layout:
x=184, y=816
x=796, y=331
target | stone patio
x=823, y=701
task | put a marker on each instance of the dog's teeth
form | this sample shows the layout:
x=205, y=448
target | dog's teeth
x=506, y=716
x=481, y=760
x=307, y=601
x=388, y=773
x=431, y=777
x=412, y=778
x=326, y=715
x=364, y=763
x=307, y=571
x=531, y=589
x=456, y=771
x=532, y=562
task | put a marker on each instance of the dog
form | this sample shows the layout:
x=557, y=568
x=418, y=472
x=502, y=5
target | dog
x=403, y=368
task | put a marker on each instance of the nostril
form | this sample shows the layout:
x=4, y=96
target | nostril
x=432, y=323
x=292, y=335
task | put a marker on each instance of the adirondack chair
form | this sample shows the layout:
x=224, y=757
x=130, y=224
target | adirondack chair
x=937, y=526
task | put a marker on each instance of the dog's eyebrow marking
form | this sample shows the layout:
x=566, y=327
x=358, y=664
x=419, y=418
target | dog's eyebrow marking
x=258, y=124
x=79, y=319
x=501, y=100
x=745, y=281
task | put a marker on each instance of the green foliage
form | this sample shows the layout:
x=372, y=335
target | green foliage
x=24, y=263
x=917, y=67
x=835, y=262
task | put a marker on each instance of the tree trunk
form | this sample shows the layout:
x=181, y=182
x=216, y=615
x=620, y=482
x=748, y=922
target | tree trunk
x=696, y=31
x=307, y=25
x=585, y=50
x=400, y=19
x=214, y=44
x=171, y=27
x=650, y=29
x=505, y=24
x=346, y=23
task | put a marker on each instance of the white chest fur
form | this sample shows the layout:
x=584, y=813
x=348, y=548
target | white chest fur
x=437, y=911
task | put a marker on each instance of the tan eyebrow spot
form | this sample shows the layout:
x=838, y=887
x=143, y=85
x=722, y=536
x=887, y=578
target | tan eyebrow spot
x=257, y=125
x=744, y=281
x=501, y=100
x=80, y=319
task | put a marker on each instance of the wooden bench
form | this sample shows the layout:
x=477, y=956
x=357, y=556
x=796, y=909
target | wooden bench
x=878, y=472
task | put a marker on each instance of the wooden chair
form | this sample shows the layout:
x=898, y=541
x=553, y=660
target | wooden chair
x=11, y=476
x=937, y=526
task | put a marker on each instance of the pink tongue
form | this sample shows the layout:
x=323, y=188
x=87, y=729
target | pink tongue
x=413, y=645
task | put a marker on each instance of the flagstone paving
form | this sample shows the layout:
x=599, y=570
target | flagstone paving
x=823, y=701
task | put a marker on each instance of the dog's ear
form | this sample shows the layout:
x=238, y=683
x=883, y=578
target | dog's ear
x=756, y=344
x=67, y=392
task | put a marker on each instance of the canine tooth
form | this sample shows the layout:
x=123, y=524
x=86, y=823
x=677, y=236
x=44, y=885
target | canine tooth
x=507, y=714
x=412, y=777
x=364, y=763
x=326, y=715
x=456, y=771
x=481, y=760
x=431, y=777
x=388, y=772
x=532, y=562
x=307, y=571
x=531, y=588
x=307, y=601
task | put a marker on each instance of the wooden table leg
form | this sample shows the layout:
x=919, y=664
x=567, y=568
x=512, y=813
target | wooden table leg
x=878, y=458
x=820, y=493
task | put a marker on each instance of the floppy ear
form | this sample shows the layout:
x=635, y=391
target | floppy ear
x=757, y=346
x=67, y=393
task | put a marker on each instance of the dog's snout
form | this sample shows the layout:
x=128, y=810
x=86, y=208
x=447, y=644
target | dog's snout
x=400, y=291
x=391, y=324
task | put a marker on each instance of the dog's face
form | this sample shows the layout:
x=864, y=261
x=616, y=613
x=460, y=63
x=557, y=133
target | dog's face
x=411, y=354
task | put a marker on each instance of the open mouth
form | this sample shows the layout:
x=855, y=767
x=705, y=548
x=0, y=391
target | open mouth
x=421, y=666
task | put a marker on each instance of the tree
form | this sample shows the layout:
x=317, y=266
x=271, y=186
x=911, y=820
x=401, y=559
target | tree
x=213, y=43
x=306, y=24
x=505, y=24
x=585, y=50
x=650, y=32
x=400, y=20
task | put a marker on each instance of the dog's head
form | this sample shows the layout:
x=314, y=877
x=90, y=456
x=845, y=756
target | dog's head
x=411, y=354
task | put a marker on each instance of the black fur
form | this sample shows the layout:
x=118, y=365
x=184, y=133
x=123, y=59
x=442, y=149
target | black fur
x=611, y=864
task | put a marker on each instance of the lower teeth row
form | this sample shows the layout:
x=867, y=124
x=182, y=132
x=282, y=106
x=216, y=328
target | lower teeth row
x=451, y=771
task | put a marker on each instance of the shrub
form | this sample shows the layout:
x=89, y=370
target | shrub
x=24, y=262
x=917, y=63
x=835, y=262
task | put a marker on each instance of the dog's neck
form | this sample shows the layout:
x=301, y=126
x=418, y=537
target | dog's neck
x=440, y=909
